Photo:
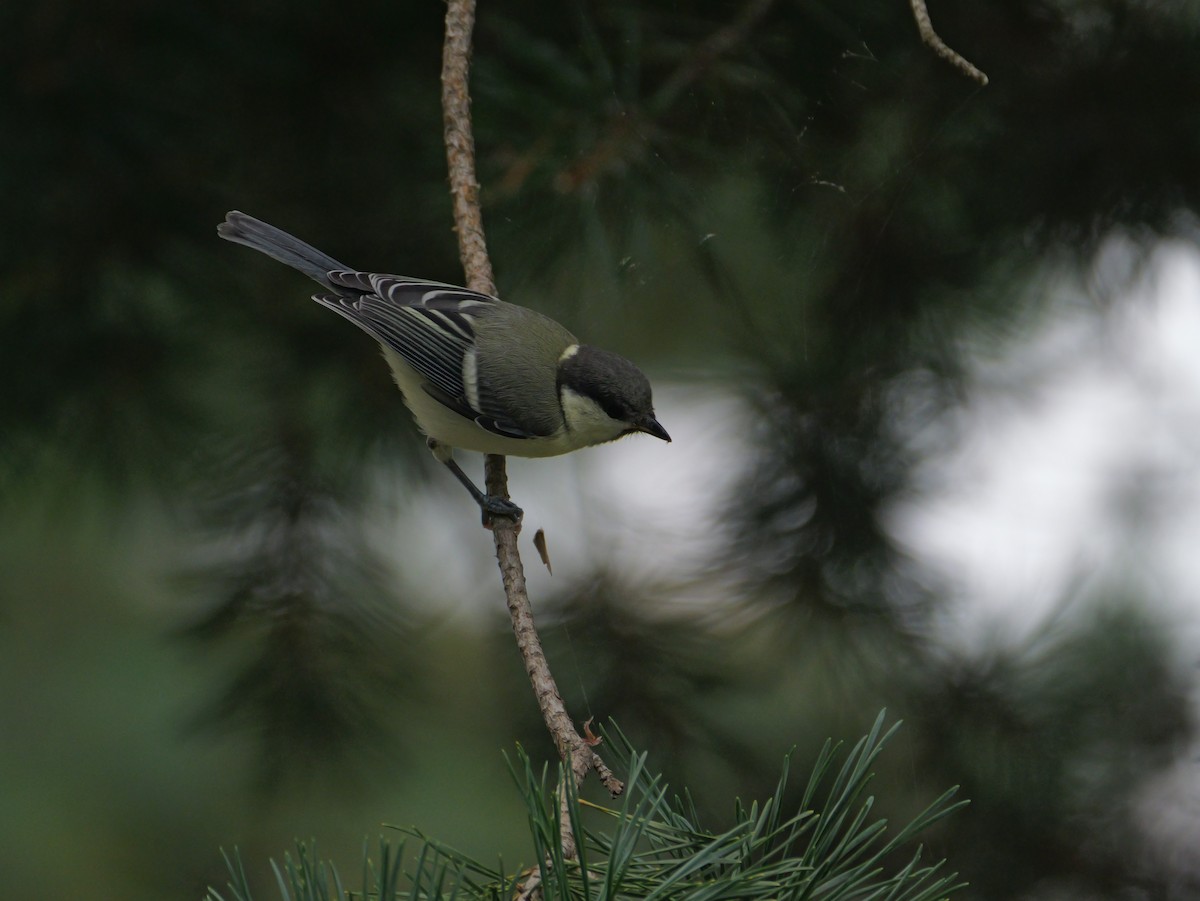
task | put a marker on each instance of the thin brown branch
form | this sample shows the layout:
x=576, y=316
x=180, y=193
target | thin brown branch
x=468, y=220
x=460, y=146
x=930, y=38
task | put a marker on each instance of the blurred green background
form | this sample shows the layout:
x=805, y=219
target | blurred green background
x=239, y=605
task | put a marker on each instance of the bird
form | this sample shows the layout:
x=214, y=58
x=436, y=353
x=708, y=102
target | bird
x=477, y=373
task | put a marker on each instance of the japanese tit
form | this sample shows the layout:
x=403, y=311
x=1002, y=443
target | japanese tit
x=476, y=372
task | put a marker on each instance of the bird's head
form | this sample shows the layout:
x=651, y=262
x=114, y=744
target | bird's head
x=604, y=396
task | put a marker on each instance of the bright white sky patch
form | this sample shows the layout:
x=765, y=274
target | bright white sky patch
x=1090, y=469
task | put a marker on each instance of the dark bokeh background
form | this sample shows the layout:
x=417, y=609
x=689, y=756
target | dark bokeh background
x=206, y=637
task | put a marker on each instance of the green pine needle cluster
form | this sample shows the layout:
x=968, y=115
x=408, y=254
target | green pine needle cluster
x=829, y=846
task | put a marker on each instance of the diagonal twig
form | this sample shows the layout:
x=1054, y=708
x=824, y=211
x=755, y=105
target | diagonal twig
x=464, y=191
x=930, y=38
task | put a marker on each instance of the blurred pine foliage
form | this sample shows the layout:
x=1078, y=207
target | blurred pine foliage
x=822, y=219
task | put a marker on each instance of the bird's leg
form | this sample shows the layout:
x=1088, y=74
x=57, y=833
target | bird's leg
x=489, y=506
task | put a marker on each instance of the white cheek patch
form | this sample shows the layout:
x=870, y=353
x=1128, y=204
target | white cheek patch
x=587, y=421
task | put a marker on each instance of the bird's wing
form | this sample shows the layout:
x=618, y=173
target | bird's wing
x=431, y=326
